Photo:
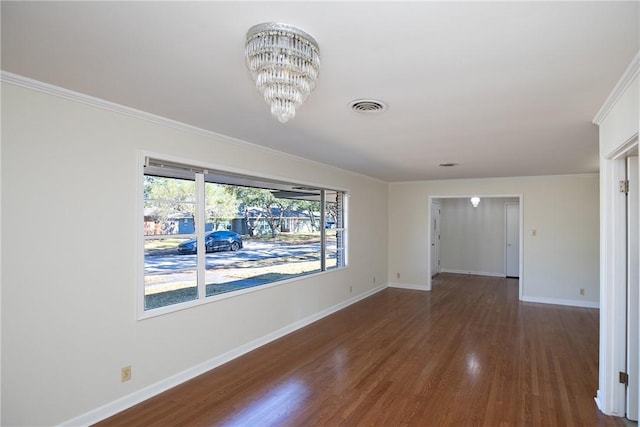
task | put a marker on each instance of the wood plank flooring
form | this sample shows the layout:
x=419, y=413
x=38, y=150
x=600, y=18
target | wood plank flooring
x=468, y=353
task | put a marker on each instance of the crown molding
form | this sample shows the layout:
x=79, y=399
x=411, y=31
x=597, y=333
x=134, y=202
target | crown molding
x=82, y=98
x=629, y=75
x=36, y=85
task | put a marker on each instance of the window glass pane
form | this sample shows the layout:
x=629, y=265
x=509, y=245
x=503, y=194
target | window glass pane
x=170, y=264
x=221, y=208
x=280, y=237
x=169, y=277
x=169, y=206
x=331, y=252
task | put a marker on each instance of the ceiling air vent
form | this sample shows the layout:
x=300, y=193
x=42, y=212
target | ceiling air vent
x=367, y=106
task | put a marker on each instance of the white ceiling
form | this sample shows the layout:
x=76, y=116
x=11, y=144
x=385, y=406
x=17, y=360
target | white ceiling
x=502, y=88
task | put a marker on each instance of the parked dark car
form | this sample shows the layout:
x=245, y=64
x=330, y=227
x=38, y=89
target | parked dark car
x=220, y=240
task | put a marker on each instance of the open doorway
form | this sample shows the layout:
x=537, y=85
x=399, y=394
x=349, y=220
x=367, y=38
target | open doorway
x=475, y=240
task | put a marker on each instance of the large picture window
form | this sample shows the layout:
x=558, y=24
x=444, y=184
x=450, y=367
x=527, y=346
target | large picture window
x=209, y=233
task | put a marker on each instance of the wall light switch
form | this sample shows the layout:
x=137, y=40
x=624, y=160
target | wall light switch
x=534, y=232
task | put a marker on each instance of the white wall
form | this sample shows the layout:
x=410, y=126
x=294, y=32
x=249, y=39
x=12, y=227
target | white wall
x=560, y=260
x=69, y=202
x=473, y=239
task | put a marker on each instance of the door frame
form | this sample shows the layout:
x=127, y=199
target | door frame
x=520, y=198
x=506, y=232
x=433, y=241
x=611, y=395
x=633, y=301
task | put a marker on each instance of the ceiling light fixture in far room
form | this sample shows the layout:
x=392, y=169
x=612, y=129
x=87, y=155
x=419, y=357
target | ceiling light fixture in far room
x=284, y=62
x=475, y=201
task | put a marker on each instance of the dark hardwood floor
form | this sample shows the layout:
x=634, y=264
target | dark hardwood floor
x=468, y=353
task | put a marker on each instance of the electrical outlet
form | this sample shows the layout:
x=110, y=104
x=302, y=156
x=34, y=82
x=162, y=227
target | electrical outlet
x=581, y=291
x=125, y=373
x=534, y=232
x=350, y=289
x=397, y=275
x=374, y=280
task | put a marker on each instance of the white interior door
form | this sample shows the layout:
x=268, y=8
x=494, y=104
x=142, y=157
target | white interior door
x=512, y=219
x=633, y=294
x=435, y=238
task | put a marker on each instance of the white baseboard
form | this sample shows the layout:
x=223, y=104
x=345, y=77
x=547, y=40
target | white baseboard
x=145, y=393
x=572, y=303
x=473, y=273
x=598, y=400
x=409, y=286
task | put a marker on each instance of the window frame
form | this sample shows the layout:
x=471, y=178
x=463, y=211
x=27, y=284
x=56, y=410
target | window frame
x=201, y=170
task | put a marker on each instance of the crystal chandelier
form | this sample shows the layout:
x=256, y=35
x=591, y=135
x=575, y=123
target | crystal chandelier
x=284, y=62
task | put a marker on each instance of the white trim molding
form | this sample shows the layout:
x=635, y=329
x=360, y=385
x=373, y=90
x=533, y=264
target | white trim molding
x=627, y=78
x=613, y=288
x=623, y=150
x=409, y=286
x=557, y=301
x=473, y=273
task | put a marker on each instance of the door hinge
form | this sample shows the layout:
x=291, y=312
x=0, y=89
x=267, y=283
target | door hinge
x=624, y=378
x=624, y=186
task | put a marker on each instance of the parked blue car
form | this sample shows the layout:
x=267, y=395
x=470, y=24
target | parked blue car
x=220, y=240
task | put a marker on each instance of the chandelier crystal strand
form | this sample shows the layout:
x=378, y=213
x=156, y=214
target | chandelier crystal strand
x=284, y=62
